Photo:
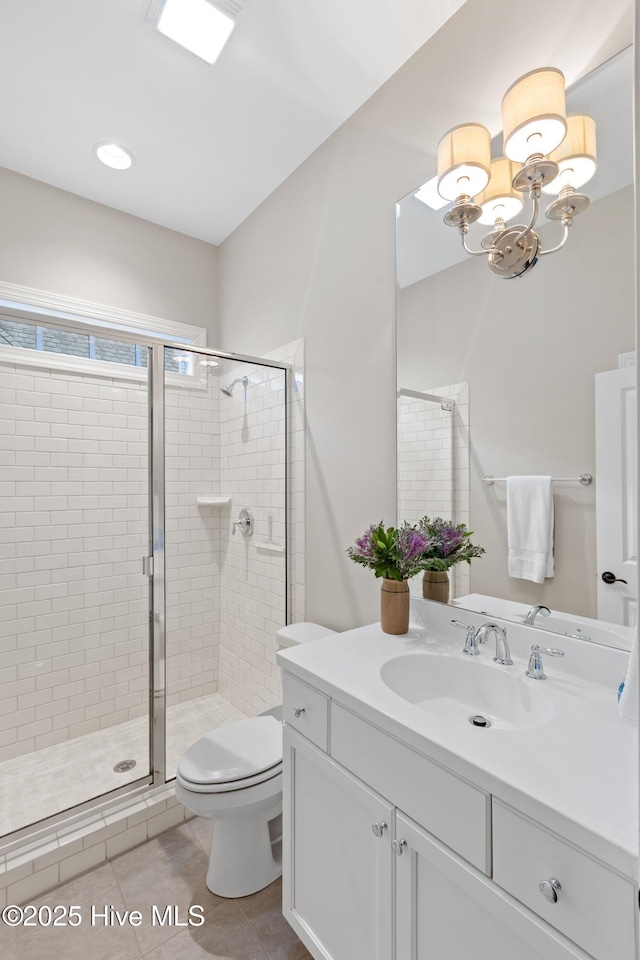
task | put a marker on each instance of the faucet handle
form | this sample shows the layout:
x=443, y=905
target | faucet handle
x=470, y=643
x=535, y=670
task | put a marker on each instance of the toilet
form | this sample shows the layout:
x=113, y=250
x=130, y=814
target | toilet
x=233, y=775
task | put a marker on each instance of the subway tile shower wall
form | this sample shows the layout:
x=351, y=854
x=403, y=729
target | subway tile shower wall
x=252, y=424
x=73, y=516
x=192, y=539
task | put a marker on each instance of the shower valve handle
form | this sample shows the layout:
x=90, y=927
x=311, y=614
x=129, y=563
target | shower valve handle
x=244, y=523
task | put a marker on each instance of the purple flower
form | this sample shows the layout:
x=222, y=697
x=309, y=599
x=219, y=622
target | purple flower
x=450, y=543
x=395, y=554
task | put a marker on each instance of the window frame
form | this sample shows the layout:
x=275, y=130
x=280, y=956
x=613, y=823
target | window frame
x=40, y=307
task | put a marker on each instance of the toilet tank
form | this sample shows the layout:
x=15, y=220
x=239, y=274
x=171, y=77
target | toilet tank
x=295, y=633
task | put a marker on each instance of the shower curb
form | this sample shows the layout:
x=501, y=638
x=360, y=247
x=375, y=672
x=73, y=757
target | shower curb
x=31, y=868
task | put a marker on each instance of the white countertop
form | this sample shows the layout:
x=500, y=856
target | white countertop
x=576, y=773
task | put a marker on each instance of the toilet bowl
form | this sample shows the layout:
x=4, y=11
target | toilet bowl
x=233, y=776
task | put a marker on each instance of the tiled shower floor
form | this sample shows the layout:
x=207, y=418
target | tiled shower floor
x=46, y=782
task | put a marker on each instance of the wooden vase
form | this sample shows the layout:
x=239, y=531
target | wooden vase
x=394, y=606
x=435, y=585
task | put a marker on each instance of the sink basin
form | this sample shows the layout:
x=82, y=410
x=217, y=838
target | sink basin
x=458, y=688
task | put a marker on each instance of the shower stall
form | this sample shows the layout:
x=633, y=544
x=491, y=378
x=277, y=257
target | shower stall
x=136, y=612
x=432, y=462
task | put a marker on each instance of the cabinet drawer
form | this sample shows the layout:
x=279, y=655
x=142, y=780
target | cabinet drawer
x=448, y=807
x=595, y=907
x=306, y=710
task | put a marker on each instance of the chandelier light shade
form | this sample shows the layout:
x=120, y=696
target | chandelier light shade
x=576, y=156
x=534, y=114
x=464, y=157
x=499, y=199
x=544, y=150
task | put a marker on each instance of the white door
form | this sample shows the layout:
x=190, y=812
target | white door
x=616, y=495
x=337, y=889
x=447, y=910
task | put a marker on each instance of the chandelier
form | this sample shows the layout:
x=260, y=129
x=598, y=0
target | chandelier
x=546, y=151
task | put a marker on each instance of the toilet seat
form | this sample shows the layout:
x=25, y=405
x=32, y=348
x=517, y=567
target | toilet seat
x=233, y=757
x=231, y=786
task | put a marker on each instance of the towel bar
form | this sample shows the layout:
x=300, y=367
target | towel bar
x=584, y=478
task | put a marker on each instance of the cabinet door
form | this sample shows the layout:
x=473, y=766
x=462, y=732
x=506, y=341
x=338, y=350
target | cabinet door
x=446, y=910
x=337, y=889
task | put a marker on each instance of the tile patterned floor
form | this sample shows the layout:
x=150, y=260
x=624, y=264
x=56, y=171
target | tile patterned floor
x=81, y=769
x=170, y=869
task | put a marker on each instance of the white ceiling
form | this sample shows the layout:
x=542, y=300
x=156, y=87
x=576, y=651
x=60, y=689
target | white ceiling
x=210, y=142
x=426, y=246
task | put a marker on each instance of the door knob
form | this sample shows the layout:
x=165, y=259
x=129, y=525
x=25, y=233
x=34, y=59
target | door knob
x=398, y=846
x=609, y=577
x=378, y=828
x=298, y=711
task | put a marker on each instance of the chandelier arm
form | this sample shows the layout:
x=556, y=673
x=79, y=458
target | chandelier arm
x=559, y=246
x=474, y=253
x=530, y=225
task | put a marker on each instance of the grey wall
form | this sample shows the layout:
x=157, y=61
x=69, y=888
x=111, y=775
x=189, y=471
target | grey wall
x=316, y=259
x=529, y=349
x=53, y=240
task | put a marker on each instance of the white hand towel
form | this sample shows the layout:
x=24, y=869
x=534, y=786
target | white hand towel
x=629, y=699
x=530, y=527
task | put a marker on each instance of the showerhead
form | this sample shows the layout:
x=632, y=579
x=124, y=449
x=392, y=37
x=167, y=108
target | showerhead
x=228, y=390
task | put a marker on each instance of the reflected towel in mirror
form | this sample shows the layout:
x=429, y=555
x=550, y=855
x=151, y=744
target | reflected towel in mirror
x=530, y=527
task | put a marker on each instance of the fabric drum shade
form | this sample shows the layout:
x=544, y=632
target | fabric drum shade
x=534, y=114
x=464, y=156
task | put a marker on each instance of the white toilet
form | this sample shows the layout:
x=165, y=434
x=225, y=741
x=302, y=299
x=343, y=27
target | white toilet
x=233, y=775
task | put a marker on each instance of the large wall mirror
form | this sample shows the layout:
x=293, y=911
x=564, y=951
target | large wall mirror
x=530, y=376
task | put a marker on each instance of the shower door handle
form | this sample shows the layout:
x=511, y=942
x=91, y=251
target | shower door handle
x=147, y=566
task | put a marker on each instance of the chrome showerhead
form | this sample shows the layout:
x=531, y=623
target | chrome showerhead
x=228, y=390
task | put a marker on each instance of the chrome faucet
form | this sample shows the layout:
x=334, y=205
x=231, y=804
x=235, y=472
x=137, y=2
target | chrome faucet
x=503, y=654
x=540, y=609
x=535, y=670
x=475, y=637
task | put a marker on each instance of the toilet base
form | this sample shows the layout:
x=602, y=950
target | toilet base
x=244, y=858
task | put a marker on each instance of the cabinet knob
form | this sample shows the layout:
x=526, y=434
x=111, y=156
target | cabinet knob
x=298, y=711
x=549, y=889
x=378, y=827
x=398, y=846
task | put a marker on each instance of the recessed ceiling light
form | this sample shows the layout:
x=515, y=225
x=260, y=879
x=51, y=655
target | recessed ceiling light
x=428, y=193
x=113, y=155
x=196, y=25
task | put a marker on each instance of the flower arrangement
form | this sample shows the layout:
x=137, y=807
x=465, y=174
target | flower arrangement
x=394, y=553
x=449, y=544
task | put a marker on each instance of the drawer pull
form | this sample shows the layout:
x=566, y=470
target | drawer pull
x=398, y=846
x=298, y=711
x=378, y=827
x=549, y=889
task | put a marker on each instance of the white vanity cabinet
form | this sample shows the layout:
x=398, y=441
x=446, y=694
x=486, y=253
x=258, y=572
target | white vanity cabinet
x=446, y=910
x=337, y=878
x=388, y=855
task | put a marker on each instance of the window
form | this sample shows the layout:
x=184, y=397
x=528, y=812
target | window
x=43, y=344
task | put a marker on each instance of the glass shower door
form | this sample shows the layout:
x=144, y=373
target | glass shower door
x=74, y=603
x=225, y=462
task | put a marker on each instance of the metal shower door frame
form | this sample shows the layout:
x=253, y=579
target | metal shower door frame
x=156, y=571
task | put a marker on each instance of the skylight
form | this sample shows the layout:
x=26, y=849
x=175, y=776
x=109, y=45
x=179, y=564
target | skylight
x=428, y=193
x=197, y=26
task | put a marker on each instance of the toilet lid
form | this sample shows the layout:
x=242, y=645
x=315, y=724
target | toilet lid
x=235, y=751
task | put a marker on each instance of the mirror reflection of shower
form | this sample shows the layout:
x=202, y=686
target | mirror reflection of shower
x=228, y=390
x=433, y=461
